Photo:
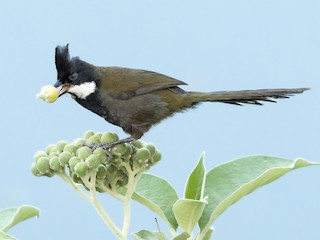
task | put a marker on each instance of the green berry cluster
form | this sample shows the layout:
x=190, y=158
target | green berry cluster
x=80, y=161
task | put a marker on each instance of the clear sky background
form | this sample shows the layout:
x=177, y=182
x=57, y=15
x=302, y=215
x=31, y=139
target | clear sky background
x=211, y=45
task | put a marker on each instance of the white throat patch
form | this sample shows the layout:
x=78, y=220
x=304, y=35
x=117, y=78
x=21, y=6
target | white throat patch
x=83, y=90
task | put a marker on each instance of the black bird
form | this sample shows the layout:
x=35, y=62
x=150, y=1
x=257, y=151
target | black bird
x=135, y=100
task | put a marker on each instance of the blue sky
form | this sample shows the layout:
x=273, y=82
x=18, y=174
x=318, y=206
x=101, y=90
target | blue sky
x=211, y=45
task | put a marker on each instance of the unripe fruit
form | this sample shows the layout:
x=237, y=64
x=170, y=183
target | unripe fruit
x=78, y=142
x=151, y=148
x=93, y=140
x=128, y=152
x=60, y=145
x=111, y=169
x=101, y=153
x=53, y=154
x=156, y=157
x=35, y=170
x=54, y=150
x=88, y=134
x=143, y=154
x=109, y=137
x=54, y=164
x=43, y=165
x=137, y=144
x=81, y=169
x=84, y=152
x=119, y=149
x=48, y=94
x=102, y=172
x=64, y=158
x=70, y=148
x=73, y=161
x=93, y=161
x=49, y=148
x=39, y=154
x=50, y=173
x=76, y=179
x=98, y=135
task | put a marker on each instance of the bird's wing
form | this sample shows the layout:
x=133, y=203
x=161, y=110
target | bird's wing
x=125, y=83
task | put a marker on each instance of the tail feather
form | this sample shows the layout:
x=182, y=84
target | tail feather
x=246, y=96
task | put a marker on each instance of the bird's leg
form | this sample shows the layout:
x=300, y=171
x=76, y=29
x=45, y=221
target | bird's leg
x=108, y=146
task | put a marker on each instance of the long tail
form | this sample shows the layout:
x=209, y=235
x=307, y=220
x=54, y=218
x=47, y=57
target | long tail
x=246, y=96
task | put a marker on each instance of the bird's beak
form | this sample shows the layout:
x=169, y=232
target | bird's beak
x=64, y=87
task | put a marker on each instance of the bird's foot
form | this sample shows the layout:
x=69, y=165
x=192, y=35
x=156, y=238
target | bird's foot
x=107, y=146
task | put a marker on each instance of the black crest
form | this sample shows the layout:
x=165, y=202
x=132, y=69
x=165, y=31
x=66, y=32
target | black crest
x=62, y=60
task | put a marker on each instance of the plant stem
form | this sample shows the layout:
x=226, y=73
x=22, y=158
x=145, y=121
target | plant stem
x=67, y=178
x=132, y=183
x=98, y=207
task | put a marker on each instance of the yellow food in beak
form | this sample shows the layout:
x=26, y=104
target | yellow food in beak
x=48, y=94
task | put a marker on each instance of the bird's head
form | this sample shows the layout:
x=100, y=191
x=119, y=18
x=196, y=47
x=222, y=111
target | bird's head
x=74, y=75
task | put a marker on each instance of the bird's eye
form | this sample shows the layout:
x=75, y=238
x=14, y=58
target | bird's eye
x=73, y=76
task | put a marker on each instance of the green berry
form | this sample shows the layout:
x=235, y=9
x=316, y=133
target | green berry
x=78, y=142
x=98, y=135
x=93, y=140
x=54, y=164
x=88, y=134
x=128, y=152
x=35, y=170
x=93, y=161
x=102, y=172
x=49, y=148
x=54, y=150
x=60, y=145
x=39, y=154
x=43, y=165
x=109, y=137
x=111, y=169
x=123, y=181
x=84, y=152
x=101, y=153
x=151, y=148
x=50, y=173
x=71, y=148
x=81, y=169
x=53, y=154
x=143, y=154
x=76, y=179
x=73, y=161
x=137, y=144
x=64, y=158
x=119, y=149
x=156, y=157
x=100, y=190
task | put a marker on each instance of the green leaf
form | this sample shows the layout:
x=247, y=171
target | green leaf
x=182, y=236
x=229, y=182
x=11, y=216
x=147, y=235
x=195, y=183
x=158, y=195
x=208, y=234
x=188, y=213
x=4, y=236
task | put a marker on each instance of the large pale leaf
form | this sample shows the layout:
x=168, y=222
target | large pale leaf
x=188, y=213
x=147, y=235
x=195, y=183
x=229, y=182
x=182, y=236
x=11, y=216
x=158, y=195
